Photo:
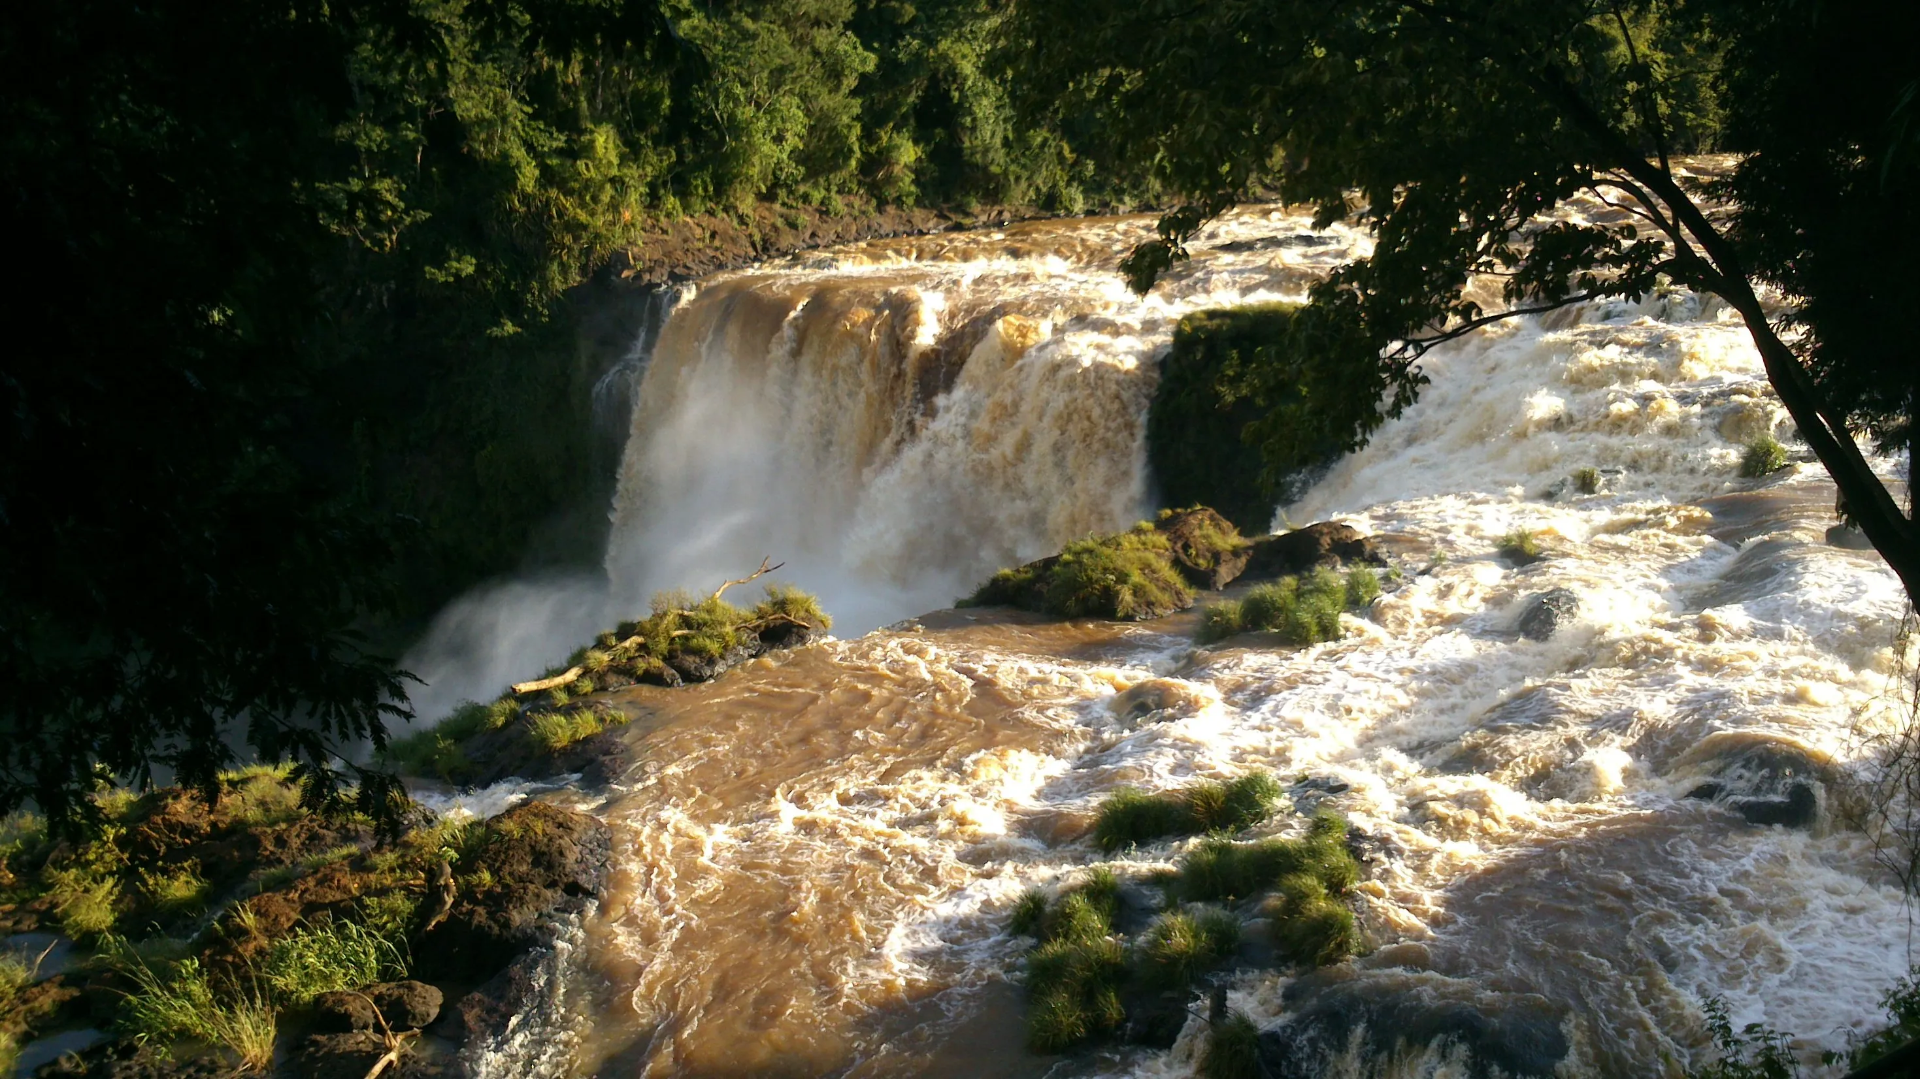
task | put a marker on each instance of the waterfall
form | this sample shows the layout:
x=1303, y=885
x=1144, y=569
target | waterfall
x=1568, y=840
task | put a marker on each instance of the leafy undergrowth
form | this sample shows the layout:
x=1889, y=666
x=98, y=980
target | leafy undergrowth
x=1757, y=1051
x=1081, y=971
x=1130, y=817
x=213, y=923
x=1299, y=610
x=1127, y=576
x=683, y=640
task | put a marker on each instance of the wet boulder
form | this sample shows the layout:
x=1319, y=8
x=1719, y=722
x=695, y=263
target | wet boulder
x=406, y=1005
x=1404, y=1016
x=536, y=862
x=1205, y=547
x=342, y=1012
x=1547, y=612
x=1328, y=543
x=1766, y=783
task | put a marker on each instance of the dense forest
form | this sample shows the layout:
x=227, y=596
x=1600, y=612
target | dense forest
x=297, y=357
x=304, y=357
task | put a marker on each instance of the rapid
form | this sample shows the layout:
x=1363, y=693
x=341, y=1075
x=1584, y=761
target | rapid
x=817, y=852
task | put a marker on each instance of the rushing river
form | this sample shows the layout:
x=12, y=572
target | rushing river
x=817, y=853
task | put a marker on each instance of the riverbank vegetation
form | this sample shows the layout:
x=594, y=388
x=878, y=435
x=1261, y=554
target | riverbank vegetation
x=284, y=912
x=684, y=639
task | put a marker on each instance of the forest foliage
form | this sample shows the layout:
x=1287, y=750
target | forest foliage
x=294, y=351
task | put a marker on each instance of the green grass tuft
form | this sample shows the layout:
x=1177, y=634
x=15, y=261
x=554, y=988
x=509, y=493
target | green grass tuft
x=327, y=958
x=1127, y=576
x=555, y=731
x=1519, y=545
x=1363, y=587
x=1233, y=1050
x=1764, y=456
x=1222, y=620
x=183, y=1002
x=1075, y=989
x=786, y=601
x=1587, y=481
x=1029, y=913
x=1179, y=947
x=179, y=891
x=1129, y=817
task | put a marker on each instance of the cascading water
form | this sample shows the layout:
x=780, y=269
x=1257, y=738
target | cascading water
x=818, y=852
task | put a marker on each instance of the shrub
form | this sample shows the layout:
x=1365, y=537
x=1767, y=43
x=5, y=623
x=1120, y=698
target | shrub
x=1755, y=1052
x=1363, y=587
x=1902, y=1004
x=326, y=958
x=1180, y=947
x=1519, y=545
x=1233, y=1050
x=1587, y=481
x=1764, y=457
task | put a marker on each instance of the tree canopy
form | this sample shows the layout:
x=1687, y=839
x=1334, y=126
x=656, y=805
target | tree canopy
x=1452, y=127
x=293, y=349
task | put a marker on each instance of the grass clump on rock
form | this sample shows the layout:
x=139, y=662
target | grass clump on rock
x=1300, y=610
x=1130, y=817
x=1179, y=947
x=1764, y=456
x=1075, y=975
x=1148, y=571
x=1233, y=1050
x=1307, y=876
x=1521, y=545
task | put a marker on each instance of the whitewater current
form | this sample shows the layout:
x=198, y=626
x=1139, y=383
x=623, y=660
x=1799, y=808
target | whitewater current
x=817, y=853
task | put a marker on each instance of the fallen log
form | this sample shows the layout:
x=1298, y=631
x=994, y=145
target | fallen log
x=521, y=689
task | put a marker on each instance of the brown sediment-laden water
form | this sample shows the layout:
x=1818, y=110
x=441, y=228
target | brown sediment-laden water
x=1574, y=842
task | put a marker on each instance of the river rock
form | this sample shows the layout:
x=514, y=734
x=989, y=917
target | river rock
x=1849, y=537
x=1328, y=543
x=1203, y=547
x=406, y=1005
x=537, y=861
x=1547, y=612
x=1767, y=783
x=342, y=1012
x=1400, y=1015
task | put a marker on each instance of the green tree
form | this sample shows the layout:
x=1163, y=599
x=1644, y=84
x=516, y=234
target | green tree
x=1452, y=127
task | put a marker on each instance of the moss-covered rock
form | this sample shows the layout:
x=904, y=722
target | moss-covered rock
x=1148, y=571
